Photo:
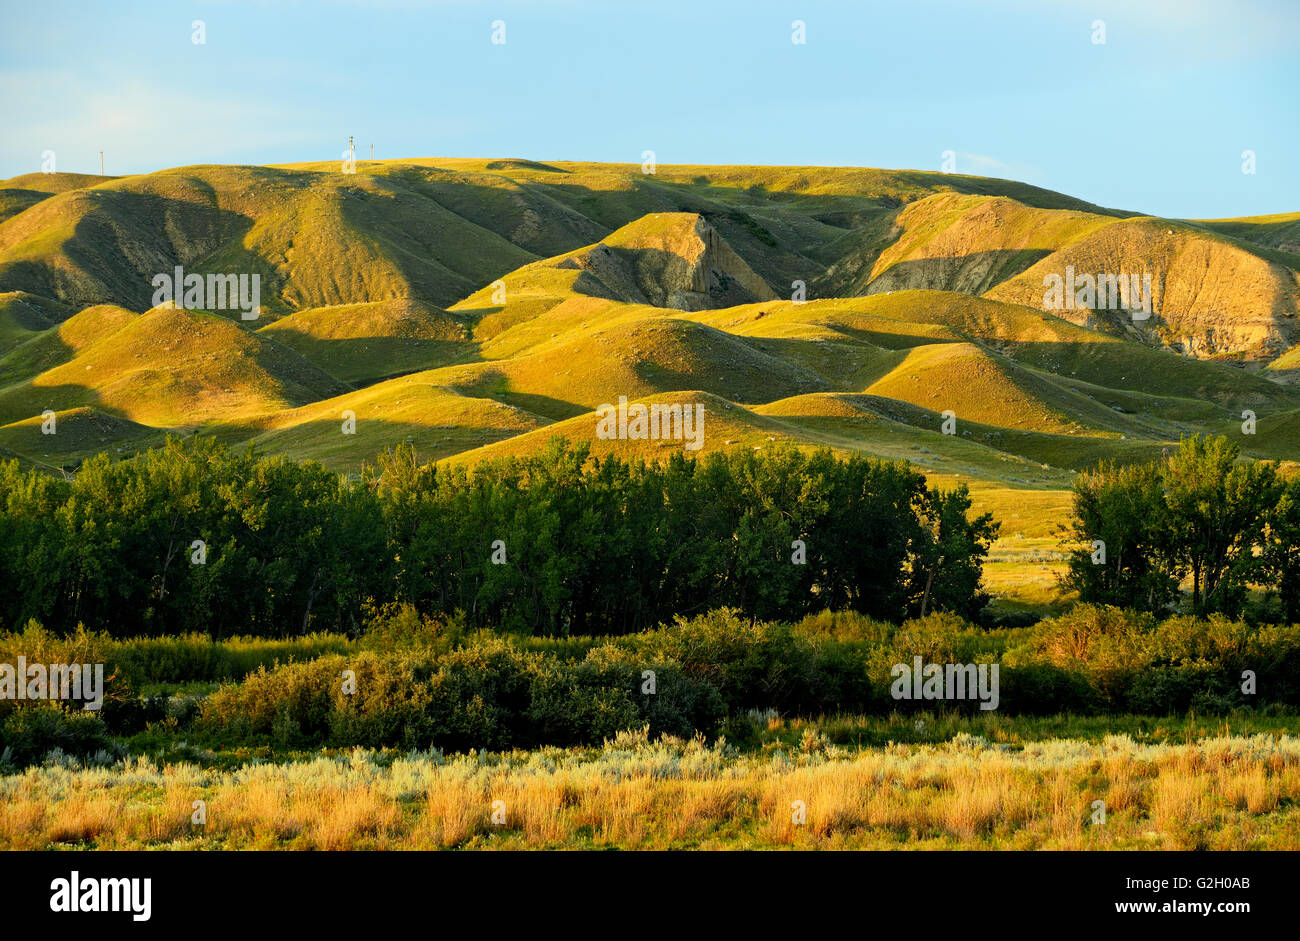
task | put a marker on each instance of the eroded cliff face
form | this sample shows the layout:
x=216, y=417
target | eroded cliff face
x=721, y=272
x=678, y=260
x=1210, y=296
x=674, y=260
x=952, y=242
x=1213, y=294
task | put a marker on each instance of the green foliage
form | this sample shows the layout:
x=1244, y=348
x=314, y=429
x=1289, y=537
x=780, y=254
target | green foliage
x=949, y=555
x=282, y=540
x=488, y=693
x=682, y=704
x=750, y=663
x=555, y=544
x=1217, y=511
x=31, y=546
x=417, y=684
x=604, y=545
x=29, y=734
x=1281, y=554
x=143, y=661
x=1132, y=663
x=1123, y=508
x=1198, y=513
x=399, y=626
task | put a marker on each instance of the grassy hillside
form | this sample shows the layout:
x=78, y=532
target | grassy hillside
x=361, y=343
x=480, y=307
x=173, y=368
x=78, y=433
x=438, y=420
x=57, y=345
x=432, y=229
x=23, y=315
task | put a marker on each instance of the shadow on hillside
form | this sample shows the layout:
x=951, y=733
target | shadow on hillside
x=82, y=428
x=366, y=361
x=777, y=262
x=323, y=441
x=27, y=360
x=31, y=313
x=495, y=384
x=854, y=364
x=973, y=273
x=16, y=200
x=891, y=340
x=518, y=163
x=439, y=254
x=124, y=227
x=781, y=235
x=543, y=406
x=1160, y=373
x=24, y=401
x=31, y=277
x=747, y=383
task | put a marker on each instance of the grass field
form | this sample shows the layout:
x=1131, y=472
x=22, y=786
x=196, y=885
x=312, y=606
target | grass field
x=1028, y=778
x=1223, y=792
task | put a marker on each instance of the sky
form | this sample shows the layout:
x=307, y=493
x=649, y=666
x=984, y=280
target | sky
x=1154, y=119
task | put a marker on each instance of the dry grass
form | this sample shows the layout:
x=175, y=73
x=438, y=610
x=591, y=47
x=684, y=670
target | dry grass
x=1217, y=793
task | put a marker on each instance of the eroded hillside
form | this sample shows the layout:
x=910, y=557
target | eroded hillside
x=480, y=306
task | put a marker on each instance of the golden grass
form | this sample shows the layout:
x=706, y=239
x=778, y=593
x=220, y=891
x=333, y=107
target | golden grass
x=83, y=817
x=344, y=305
x=1216, y=793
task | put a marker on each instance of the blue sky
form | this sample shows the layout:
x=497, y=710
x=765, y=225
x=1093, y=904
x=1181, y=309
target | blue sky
x=1154, y=120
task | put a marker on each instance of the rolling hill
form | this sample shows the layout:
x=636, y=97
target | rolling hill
x=476, y=307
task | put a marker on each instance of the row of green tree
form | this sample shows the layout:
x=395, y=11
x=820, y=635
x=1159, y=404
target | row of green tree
x=1201, y=513
x=195, y=537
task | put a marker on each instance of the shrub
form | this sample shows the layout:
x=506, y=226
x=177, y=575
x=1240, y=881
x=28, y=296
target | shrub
x=400, y=626
x=750, y=663
x=30, y=732
x=681, y=704
x=486, y=695
x=1045, y=689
